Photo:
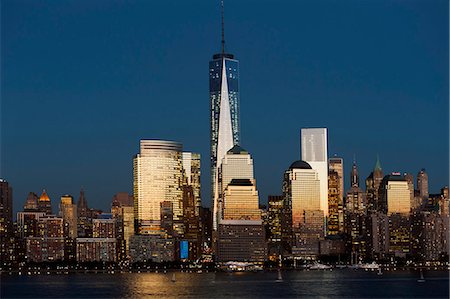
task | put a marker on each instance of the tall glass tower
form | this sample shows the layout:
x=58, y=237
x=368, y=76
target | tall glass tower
x=224, y=115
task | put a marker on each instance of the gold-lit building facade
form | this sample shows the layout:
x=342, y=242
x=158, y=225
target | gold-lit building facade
x=157, y=177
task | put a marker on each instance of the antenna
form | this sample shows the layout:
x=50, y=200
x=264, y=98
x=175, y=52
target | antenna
x=223, y=28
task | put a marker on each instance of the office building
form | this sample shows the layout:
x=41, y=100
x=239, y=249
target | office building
x=395, y=195
x=224, y=113
x=44, y=203
x=373, y=182
x=96, y=250
x=158, y=177
x=191, y=167
x=68, y=211
x=241, y=201
x=48, y=244
x=422, y=183
x=6, y=223
x=84, y=215
x=304, y=222
x=103, y=228
x=337, y=164
x=315, y=153
x=151, y=248
x=335, y=205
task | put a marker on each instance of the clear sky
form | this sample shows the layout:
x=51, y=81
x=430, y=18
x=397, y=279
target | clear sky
x=83, y=81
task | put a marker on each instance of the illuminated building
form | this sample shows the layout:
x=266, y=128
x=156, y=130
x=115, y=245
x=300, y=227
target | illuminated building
x=301, y=192
x=68, y=211
x=191, y=167
x=103, y=228
x=422, y=183
x=337, y=164
x=151, y=248
x=395, y=194
x=158, y=177
x=241, y=234
x=96, y=250
x=48, y=244
x=124, y=221
x=275, y=209
x=6, y=223
x=355, y=200
x=335, y=226
x=224, y=114
x=315, y=153
x=241, y=201
x=44, y=203
x=31, y=204
x=192, y=234
x=84, y=216
x=373, y=182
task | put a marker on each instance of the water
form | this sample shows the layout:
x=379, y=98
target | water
x=343, y=283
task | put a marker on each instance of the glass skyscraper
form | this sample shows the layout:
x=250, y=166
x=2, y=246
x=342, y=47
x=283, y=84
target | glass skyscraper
x=224, y=116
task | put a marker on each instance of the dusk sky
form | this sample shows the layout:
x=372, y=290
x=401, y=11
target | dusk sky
x=83, y=81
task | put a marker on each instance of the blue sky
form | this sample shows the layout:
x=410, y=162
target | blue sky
x=83, y=81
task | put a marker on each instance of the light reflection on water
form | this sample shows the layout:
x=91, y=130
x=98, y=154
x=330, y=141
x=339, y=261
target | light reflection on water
x=337, y=283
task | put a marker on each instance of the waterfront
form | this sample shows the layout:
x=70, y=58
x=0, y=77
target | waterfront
x=343, y=283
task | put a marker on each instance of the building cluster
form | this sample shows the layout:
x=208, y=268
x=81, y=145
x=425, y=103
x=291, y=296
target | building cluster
x=314, y=216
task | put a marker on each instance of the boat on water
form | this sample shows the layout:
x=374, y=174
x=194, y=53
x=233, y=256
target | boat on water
x=372, y=266
x=421, y=279
x=240, y=267
x=279, y=278
x=319, y=266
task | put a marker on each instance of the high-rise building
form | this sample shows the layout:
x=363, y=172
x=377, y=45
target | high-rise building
x=84, y=216
x=304, y=225
x=241, y=235
x=335, y=205
x=224, y=115
x=422, y=183
x=48, y=244
x=373, y=182
x=44, y=203
x=31, y=204
x=191, y=167
x=68, y=211
x=158, y=177
x=315, y=153
x=6, y=222
x=337, y=164
x=395, y=195
x=355, y=200
x=274, y=223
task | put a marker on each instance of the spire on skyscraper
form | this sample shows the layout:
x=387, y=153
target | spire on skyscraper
x=223, y=27
x=378, y=164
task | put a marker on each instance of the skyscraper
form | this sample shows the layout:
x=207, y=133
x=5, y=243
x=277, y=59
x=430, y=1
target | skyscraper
x=315, y=153
x=422, y=183
x=373, y=182
x=301, y=192
x=191, y=167
x=337, y=164
x=224, y=115
x=44, y=203
x=158, y=177
x=6, y=221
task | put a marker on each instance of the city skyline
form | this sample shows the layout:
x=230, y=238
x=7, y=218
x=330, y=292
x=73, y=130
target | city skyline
x=37, y=153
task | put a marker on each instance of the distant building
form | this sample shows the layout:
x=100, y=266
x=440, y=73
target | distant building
x=337, y=164
x=96, y=250
x=68, y=211
x=103, y=228
x=84, y=221
x=191, y=167
x=158, y=177
x=303, y=220
x=241, y=234
x=335, y=223
x=422, y=183
x=48, y=243
x=314, y=146
x=44, y=203
x=274, y=223
x=395, y=195
x=124, y=222
x=6, y=223
x=373, y=182
x=31, y=204
x=151, y=248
